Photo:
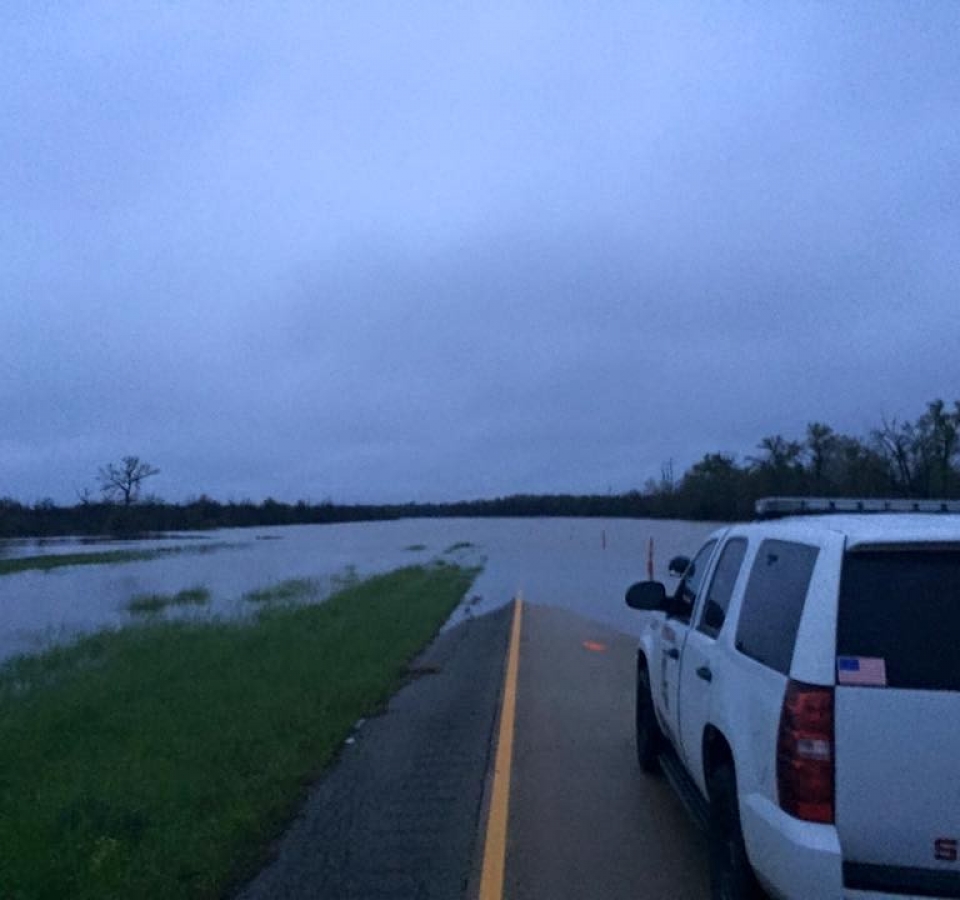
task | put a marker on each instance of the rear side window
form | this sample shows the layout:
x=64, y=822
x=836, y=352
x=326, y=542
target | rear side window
x=903, y=606
x=773, y=602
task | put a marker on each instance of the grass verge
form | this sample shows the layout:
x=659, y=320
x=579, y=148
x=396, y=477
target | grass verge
x=48, y=561
x=160, y=760
x=287, y=591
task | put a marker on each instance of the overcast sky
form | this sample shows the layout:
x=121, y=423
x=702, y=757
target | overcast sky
x=393, y=251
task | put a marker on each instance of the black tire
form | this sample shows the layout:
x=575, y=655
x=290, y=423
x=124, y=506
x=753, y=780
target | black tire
x=731, y=875
x=649, y=735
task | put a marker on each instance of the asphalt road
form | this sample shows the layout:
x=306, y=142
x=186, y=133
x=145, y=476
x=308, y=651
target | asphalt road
x=402, y=816
x=584, y=822
x=396, y=817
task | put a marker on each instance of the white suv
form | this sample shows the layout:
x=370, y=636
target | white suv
x=801, y=691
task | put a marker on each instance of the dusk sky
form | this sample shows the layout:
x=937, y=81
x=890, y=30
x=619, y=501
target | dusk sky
x=433, y=251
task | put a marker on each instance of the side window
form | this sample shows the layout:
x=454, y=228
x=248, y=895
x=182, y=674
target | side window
x=773, y=602
x=689, y=587
x=721, y=587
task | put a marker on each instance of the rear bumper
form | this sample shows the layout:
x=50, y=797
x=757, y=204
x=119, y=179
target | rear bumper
x=874, y=881
x=850, y=894
x=797, y=860
x=794, y=860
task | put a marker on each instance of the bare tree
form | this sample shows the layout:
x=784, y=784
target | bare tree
x=123, y=482
x=820, y=445
x=780, y=454
x=668, y=483
x=897, y=442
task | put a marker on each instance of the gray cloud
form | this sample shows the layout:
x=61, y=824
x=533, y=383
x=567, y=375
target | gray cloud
x=387, y=253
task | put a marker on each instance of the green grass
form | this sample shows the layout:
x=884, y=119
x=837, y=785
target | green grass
x=48, y=561
x=460, y=545
x=148, y=603
x=195, y=596
x=287, y=591
x=152, y=603
x=162, y=759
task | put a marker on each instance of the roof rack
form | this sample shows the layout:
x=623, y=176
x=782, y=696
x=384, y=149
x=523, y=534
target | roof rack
x=778, y=507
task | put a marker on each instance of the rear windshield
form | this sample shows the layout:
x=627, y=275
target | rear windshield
x=903, y=607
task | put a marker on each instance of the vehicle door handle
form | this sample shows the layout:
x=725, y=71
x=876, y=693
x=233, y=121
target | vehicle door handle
x=705, y=673
x=673, y=653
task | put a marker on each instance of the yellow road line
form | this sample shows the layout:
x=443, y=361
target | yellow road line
x=495, y=846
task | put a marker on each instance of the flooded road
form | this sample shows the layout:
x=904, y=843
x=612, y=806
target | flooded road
x=400, y=814
x=582, y=565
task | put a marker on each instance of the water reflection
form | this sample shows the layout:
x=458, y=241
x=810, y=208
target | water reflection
x=579, y=564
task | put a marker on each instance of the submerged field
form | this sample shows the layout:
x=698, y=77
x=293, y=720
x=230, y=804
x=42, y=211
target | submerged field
x=160, y=760
x=46, y=561
x=582, y=564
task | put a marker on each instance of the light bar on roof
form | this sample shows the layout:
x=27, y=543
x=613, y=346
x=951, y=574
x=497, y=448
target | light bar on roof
x=772, y=507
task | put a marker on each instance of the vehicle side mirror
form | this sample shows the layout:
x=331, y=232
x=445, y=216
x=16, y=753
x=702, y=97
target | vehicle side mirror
x=648, y=595
x=678, y=565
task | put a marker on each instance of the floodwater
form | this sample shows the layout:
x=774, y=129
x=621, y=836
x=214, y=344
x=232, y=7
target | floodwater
x=581, y=564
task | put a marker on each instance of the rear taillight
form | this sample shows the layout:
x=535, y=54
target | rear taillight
x=805, y=752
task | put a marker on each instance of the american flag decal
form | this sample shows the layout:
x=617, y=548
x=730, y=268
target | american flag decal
x=868, y=671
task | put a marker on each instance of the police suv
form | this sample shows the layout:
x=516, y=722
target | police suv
x=801, y=691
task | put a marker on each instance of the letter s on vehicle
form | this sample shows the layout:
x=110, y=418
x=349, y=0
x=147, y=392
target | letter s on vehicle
x=945, y=849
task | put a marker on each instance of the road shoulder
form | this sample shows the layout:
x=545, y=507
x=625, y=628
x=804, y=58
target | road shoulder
x=397, y=815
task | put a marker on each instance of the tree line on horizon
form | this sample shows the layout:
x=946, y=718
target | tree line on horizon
x=899, y=459
x=908, y=459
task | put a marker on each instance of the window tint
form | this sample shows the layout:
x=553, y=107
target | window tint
x=903, y=607
x=689, y=587
x=773, y=602
x=721, y=587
